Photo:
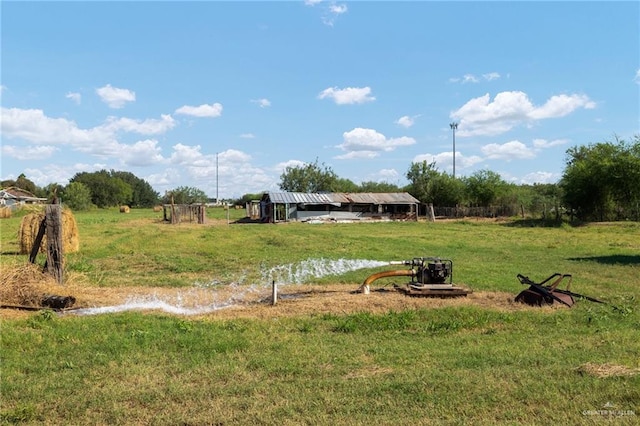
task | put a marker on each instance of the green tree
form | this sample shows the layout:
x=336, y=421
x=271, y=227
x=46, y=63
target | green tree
x=344, y=185
x=371, y=186
x=602, y=181
x=143, y=195
x=429, y=185
x=23, y=183
x=77, y=196
x=308, y=178
x=185, y=195
x=106, y=191
x=484, y=187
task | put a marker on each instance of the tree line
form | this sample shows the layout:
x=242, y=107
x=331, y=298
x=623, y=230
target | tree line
x=600, y=182
x=103, y=189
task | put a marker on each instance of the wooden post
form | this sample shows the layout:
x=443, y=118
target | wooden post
x=274, y=292
x=430, y=214
x=53, y=217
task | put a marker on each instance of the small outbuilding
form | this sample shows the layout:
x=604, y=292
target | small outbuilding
x=337, y=206
x=13, y=198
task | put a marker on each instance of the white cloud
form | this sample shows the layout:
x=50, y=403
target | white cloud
x=31, y=153
x=348, y=95
x=543, y=143
x=481, y=116
x=491, y=76
x=141, y=153
x=338, y=9
x=366, y=143
x=247, y=135
x=146, y=127
x=262, y=103
x=280, y=167
x=540, y=177
x=508, y=151
x=406, y=121
x=34, y=126
x=444, y=160
x=115, y=97
x=637, y=77
x=2, y=88
x=75, y=97
x=561, y=105
x=469, y=78
x=204, y=110
x=357, y=155
x=388, y=174
x=312, y=2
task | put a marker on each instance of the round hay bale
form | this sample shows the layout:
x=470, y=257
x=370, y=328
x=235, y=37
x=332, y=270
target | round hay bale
x=30, y=226
x=157, y=208
x=124, y=209
x=5, y=212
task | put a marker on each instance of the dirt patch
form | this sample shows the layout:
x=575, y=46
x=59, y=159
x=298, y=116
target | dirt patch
x=294, y=300
x=607, y=370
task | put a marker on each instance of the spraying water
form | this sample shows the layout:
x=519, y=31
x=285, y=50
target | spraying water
x=209, y=297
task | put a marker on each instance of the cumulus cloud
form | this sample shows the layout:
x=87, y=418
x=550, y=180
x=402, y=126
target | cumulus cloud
x=367, y=143
x=444, y=160
x=369, y=139
x=115, y=97
x=508, y=151
x=637, y=77
x=281, y=167
x=33, y=126
x=262, y=103
x=141, y=153
x=406, y=121
x=471, y=78
x=388, y=174
x=146, y=127
x=540, y=177
x=204, y=110
x=481, y=116
x=543, y=143
x=75, y=97
x=348, y=95
x=491, y=76
x=31, y=153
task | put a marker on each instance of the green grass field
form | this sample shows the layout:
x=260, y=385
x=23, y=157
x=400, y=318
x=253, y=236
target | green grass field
x=450, y=365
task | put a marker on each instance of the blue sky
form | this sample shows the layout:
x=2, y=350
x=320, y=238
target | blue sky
x=223, y=96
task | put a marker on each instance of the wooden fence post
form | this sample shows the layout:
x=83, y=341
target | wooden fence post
x=53, y=218
x=430, y=214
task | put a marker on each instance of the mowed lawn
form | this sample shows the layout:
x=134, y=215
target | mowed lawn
x=454, y=364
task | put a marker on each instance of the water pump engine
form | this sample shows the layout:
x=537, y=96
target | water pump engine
x=430, y=276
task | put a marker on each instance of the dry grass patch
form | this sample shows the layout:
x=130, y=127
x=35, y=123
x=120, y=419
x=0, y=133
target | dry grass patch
x=26, y=285
x=607, y=370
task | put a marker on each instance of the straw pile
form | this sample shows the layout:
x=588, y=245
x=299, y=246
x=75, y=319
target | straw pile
x=5, y=212
x=26, y=285
x=124, y=209
x=31, y=224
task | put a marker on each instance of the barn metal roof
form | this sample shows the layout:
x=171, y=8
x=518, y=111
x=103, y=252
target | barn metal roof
x=338, y=198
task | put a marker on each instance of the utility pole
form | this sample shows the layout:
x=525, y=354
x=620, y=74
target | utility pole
x=454, y=126
x=217, y=199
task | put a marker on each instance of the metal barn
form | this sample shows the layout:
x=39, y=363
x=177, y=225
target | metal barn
x=337, y=206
